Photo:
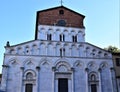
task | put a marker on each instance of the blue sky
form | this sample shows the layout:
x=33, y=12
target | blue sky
x=18, y=18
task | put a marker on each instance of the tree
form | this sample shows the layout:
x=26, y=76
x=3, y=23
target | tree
x=112, y=49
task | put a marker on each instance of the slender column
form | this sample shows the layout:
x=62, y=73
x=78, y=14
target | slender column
x=110, y=79
x=53, y=79
x=72, y=79
x=22, y=75
x=46, y=50
x=70, y=51
x=54, y=51
x=56, y=85
x=113, y=80
x=87, y=85
x=99, y=73
x=69, y=85
x=38, y=69
x=4, y=77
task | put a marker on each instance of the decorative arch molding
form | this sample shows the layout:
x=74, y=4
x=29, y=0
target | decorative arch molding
x=42, y=43
x=29, y=77
x=63, y=66
x=104, y=65
x=61, y=59
x=13, y=61
x=50, y=31
x=78, y=64
x=92, y=65
x=45, y=65
x=45, y=61
x=30, y=71
x=29, y=62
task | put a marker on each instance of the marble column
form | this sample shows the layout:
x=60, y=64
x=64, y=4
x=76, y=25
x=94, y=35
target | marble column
x=100, y=85
x=4, y=77
x=53, y=79
x=113, y=80
x=87, y=85
x=22, y=76
x=37, y=78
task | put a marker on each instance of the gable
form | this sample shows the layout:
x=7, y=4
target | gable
x=60, y=15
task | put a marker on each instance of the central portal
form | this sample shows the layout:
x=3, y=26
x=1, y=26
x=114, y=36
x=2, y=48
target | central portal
x=63, y=85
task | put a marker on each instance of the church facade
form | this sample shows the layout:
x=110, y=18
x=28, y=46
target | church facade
x=59, y=59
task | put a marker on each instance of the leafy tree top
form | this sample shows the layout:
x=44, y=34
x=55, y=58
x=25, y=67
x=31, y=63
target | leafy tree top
x=112, y=49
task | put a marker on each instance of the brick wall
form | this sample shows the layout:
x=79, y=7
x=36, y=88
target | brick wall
x=52, y=16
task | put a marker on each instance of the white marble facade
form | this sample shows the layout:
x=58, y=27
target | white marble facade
x=57, y=54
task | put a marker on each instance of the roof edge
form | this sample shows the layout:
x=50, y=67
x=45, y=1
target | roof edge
x=61, y=7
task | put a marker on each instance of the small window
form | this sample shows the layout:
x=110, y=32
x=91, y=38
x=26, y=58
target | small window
x=61, y=12
x=117, y=61
x=49, y=37
x=74, y=38
x=62, y=37
x=61, y=52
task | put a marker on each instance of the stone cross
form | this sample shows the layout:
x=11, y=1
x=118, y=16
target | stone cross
x=61, y=2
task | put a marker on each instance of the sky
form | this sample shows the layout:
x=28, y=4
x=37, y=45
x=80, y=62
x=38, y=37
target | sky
x=18, y=18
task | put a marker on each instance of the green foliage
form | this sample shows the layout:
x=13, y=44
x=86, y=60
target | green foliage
x=112, y=49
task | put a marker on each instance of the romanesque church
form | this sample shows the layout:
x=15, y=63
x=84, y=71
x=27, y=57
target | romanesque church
x=58, y=59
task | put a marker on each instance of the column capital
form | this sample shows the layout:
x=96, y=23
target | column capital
x=53, y=68
x=22, y=68
x=86, y=69
x=111, y=68
x=38, y=68
x=99, y=69
x=72, y=69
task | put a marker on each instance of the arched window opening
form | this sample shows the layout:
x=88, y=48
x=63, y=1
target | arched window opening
x=62, y=52
x=62, y=37
x=49, y=37
x=74, y=38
